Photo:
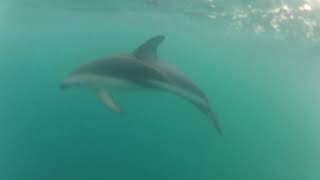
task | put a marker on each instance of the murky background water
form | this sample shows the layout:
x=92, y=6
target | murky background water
x=258, y=62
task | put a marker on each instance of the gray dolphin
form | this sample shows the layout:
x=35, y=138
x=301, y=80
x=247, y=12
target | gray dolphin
x=141, y=69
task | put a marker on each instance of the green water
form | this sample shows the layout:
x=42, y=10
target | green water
x=260, y=74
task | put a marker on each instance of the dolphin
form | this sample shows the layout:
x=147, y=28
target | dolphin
x=140, y=69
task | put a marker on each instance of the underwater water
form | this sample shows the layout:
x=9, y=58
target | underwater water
x=257, y=61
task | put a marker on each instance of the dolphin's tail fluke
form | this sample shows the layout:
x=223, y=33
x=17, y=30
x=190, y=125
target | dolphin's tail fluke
x=216, y=123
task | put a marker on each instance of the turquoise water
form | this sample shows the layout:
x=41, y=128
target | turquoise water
x=258, y=65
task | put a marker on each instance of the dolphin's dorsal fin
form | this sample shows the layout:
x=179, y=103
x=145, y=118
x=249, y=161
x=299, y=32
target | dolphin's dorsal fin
x=148, y=50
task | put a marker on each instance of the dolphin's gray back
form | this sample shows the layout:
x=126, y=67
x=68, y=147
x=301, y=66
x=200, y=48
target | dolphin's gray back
x=142, y=73
x=123, y=67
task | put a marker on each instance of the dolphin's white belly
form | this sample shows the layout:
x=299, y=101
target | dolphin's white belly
x=106, y=82
x=118, y=84
x=179, y=91
x=113, y=83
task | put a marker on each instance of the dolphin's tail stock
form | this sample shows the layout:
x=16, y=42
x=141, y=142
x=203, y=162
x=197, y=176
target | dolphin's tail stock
x=216, y=122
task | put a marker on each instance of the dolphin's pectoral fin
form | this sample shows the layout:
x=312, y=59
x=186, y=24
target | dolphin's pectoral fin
x=107, y=100
x=148, y=50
